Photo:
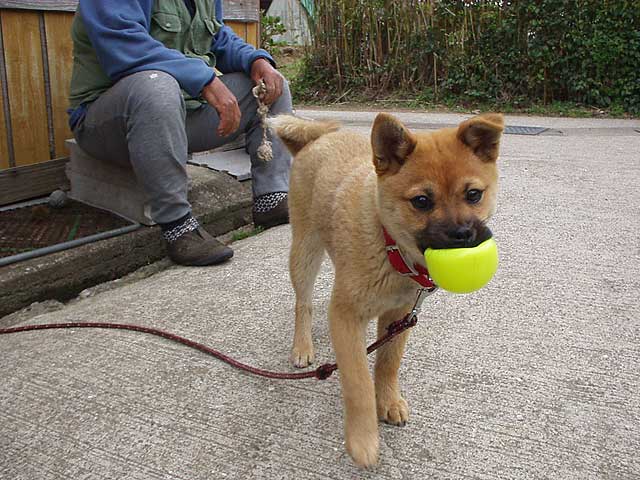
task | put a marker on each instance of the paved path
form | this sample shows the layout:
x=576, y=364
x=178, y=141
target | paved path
x=536, y=376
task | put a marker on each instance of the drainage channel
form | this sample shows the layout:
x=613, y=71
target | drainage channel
x=58, y=247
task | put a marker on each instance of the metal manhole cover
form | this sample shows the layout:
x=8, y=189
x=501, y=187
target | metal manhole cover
x=520, y=130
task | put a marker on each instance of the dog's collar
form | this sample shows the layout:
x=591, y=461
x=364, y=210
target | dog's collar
x=417, y=273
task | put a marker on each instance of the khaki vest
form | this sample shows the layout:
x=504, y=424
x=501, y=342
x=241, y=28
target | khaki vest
x=171, y=24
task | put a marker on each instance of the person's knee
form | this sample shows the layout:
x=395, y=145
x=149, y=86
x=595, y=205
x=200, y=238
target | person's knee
x=286, y=91
x=283, y=103
x=154, y=91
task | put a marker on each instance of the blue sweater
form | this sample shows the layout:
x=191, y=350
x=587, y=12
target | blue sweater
x=119, y=32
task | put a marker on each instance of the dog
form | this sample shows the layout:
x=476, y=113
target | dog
x=429, y=189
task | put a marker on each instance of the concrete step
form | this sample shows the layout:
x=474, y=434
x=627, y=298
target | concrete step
x=113, y=187
x=106, y=185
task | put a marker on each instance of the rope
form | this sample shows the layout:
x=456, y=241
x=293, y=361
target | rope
x=321, y=373
x=265, y=150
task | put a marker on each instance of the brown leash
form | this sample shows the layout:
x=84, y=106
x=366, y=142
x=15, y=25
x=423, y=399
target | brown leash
x=321, y=373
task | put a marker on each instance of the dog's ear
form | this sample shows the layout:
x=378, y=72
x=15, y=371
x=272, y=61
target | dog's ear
x=482, y=134
x=392, y=143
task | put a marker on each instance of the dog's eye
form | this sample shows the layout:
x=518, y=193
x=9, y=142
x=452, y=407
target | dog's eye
x=474, y=195
x=422, y=202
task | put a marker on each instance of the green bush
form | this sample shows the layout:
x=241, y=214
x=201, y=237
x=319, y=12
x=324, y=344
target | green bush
x=500, y=51
x=271, y=26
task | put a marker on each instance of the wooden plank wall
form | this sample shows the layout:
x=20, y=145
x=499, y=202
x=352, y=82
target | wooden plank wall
x=57, y=5
x=60, y=51
x=26, y=86
x=244, y=10
x=243, y=16
x=248, y=31
x=37, y=60
x=35, y=71
x=4, y=149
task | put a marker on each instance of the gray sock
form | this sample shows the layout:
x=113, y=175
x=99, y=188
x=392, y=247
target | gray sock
x=176, y=232
x=268, y=201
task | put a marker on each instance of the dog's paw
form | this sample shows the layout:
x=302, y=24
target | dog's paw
x=394, y=411
x=363, y=449
x=302, y=357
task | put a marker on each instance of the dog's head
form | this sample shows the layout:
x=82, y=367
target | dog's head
x=438, y=189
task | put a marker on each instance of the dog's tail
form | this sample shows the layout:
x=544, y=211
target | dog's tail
x=297, y=132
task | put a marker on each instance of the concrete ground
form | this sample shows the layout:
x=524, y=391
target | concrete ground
x=536, y=376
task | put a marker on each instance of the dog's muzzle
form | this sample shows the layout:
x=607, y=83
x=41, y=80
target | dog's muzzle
x=453, y=235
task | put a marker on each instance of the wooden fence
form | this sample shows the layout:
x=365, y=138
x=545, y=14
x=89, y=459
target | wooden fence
x=35, y=71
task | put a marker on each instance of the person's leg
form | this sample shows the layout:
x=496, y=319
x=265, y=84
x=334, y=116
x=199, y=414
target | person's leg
x=141, y=121
x=270, y=179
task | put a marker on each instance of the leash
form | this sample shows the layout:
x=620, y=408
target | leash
x=418, y=273
x=321, y=373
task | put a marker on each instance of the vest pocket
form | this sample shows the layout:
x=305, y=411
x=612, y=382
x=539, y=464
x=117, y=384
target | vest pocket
x=169, y=28
x=168, y=22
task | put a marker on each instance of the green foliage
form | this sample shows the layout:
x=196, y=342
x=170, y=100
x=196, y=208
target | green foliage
x=501, y=52
x=270, y=27
x=242, y=234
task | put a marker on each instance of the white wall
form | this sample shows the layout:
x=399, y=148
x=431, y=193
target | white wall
x=295, y=19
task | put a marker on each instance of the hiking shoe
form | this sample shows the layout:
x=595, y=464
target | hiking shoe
x=198, y=248
x=278, y=214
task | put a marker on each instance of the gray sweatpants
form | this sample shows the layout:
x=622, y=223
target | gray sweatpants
x=142, y=121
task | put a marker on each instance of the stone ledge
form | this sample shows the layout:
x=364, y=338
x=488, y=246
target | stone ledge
x=220, y=203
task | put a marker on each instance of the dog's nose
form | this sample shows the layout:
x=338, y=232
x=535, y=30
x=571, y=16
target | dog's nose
x=462, y=234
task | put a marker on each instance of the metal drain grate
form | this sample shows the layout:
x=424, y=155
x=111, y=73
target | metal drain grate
x=39, y=226
x=519, y=130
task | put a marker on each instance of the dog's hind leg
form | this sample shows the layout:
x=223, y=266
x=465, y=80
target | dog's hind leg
x=305, y=259
x=391, y=407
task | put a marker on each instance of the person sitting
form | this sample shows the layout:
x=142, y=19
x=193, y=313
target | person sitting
x=154, y=80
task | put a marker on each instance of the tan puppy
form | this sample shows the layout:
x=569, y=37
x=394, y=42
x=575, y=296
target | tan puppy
x=428, y=190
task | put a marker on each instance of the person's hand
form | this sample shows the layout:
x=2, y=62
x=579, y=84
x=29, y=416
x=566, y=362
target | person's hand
x=220, y=97
x=261, y=69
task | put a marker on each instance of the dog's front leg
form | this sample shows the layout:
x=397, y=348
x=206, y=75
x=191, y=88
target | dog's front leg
x=391, y=407
x=348, y=330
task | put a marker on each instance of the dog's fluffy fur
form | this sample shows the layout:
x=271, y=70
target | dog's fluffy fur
x=423, y=188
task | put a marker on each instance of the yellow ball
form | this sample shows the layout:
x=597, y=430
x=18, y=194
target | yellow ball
x=463, y=270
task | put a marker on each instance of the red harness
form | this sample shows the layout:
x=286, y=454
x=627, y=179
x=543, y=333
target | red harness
x=417, y=273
